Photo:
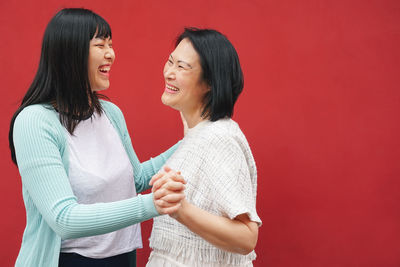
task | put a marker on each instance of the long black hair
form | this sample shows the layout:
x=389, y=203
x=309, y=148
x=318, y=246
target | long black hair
x=62, y=79
x=221, y=70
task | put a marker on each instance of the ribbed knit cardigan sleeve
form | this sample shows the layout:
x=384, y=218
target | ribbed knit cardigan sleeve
x=39, y=141
x=142, y=171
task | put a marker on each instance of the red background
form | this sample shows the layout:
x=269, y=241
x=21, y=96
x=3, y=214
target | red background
x=320, y=109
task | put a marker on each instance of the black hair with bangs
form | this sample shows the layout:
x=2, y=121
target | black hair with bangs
x=62, y=78
x=221, y=70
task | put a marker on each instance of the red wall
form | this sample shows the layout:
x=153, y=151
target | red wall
x=320, y=109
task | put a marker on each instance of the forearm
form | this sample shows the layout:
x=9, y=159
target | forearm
x=79, y=220
x=238, y=236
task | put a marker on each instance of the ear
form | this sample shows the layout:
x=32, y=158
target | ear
x=206, y=88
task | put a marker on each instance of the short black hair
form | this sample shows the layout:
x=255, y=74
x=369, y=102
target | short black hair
x=62, y=78
x=221, y=70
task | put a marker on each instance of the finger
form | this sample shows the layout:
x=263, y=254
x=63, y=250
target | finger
x=162, y=192
x=174, y=186
x=173, y=198
x=159, y=193
x=178, y=188
x=161, y=204
x=178, y=178
x=165, y=177
x=156, y=177
x=171, y=210
x=160, y=182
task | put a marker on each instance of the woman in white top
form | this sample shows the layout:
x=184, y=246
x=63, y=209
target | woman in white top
x=217, y=223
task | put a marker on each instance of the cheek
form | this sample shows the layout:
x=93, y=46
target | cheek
x=92, y=55
x=91, y=64
x=92, y=70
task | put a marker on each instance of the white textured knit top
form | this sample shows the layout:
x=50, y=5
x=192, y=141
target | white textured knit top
x=216, y=161
x=100, y=172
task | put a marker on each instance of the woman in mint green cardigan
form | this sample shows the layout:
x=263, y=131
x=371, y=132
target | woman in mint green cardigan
x=80, y=174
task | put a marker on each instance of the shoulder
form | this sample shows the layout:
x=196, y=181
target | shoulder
x=225, y=139
x=224, y=132
x=36, y=122
x=109, y=105
x=37, y=110
x=115, y=115
x=110, y=108
x=38, y=114
x=209, y=141
x=113, y=111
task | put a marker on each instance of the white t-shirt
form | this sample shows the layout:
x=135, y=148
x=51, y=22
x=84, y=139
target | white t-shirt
x=100, y=171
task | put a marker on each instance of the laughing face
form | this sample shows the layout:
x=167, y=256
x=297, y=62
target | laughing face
x=184, y=86
x=101, y=57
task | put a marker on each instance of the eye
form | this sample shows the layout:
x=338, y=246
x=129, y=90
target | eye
x=99, y=45
x=181, y=67
x=170, y=62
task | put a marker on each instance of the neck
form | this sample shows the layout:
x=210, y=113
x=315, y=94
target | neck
x=193, y=118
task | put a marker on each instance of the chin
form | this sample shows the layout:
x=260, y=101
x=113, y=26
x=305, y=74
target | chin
x=100, y=88
x=165, y=101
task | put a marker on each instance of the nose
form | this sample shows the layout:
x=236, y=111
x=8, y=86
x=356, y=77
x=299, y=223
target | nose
x=169, y=72
x=110, y=54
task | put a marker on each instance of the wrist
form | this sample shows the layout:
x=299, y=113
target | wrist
x=179, y=214
x=148, y=203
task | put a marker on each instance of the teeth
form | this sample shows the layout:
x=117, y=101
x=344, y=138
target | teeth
x=105, y=69
x=172, y=88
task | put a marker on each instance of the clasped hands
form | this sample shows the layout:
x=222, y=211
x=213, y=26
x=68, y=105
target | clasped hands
x=168, y=191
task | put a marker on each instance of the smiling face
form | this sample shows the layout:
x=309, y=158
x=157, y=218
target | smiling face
x=101, y=57
x=184, y=86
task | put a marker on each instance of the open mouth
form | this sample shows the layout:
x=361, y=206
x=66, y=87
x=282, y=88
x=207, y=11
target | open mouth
x=105, y=69
x=172, y=88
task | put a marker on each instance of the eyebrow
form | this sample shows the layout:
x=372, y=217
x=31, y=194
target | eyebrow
x=181, y=61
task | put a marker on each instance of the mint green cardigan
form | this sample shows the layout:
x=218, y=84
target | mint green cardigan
x=52, y=211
